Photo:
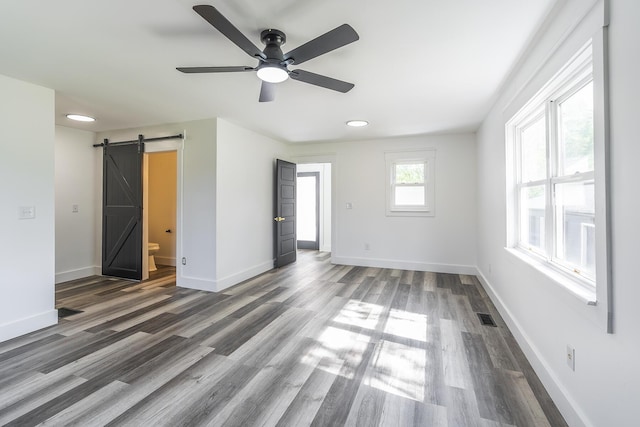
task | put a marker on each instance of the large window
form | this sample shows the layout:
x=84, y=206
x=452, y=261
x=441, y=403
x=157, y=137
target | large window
x=551, y=153
x=410, y=185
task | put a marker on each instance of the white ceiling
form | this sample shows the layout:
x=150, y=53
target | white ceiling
x=420, y=66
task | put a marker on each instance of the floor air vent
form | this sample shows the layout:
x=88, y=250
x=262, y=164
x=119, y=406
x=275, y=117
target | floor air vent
x=66, y=312
x=486, y=319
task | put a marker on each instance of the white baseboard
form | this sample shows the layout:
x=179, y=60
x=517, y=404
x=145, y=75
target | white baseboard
x=165, y=260
x=404, y=265
x=225, y=282
x=28, y=324
x=235, y=278
x=65, y=276
x=569, y=409
x=195, y=283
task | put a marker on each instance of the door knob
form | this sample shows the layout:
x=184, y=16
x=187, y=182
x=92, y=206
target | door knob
x=279, y=219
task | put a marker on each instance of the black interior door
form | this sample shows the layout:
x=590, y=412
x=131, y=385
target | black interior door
x=122, y=211
x=285, y=215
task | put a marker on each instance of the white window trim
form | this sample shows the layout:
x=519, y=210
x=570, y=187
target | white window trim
x=427, y=157
x=587, y=61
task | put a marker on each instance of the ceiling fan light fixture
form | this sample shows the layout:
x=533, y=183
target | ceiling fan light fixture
x=357, y=123
x=80, y=118
x=272, y=74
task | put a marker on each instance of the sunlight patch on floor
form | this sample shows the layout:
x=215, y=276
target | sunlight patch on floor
x=338, y=352
x=360, y=314
x=393, y=366
x=407, y=325
x=393, y=370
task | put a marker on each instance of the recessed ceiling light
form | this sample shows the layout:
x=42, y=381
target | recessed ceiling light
x=80, y=118
x=357, y=123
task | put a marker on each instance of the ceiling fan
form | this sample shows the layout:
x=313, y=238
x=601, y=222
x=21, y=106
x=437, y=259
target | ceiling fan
x=273, y=65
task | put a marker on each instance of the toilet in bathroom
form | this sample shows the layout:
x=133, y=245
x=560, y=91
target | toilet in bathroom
x=153, y=248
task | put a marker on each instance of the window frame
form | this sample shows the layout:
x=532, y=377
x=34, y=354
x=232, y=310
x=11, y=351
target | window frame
x=427, y=159
x=575, y=75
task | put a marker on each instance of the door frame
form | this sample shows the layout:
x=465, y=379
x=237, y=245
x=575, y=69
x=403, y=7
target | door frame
x=310, y=244
x=176, y=145
x=330, y=158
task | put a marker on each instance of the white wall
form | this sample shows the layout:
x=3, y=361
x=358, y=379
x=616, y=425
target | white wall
x=162, y=178
x=197, y=192
x=245, y=202
x=324, y=178
x=26, y=180
x=603, y=390
x=444, y=243
x=75, y=185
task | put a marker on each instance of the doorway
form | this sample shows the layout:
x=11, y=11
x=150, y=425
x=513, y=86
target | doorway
x=308, y=203
x=314, y=206
x=160, y=210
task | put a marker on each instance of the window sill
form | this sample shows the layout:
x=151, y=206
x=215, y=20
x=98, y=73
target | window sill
x=576, y=289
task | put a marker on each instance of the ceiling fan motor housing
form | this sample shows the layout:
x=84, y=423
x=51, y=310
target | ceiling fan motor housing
x=273, y=39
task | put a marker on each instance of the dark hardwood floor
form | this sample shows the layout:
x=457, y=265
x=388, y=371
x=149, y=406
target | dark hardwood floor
x=308, y=344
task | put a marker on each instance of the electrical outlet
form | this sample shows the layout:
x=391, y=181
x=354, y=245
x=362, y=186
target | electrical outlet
x=366, y=247
x=74, y=208
x=26, y=212
x=571, y=357
x=184, y=261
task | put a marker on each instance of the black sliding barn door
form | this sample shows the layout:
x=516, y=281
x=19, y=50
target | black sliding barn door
x=285, y=220
x=122, y=211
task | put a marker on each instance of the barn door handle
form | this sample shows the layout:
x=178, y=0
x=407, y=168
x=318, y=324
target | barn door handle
x=279, y=219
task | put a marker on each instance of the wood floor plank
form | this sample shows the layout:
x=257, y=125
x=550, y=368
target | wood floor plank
x=35, y=345
x=183, y=396
x=336, y=405
x=303, y=408
x=368, y=406
x=489, y=390
x=102, y=407
x=526, y=409
x=69, y=416
x=456, y=368
x=462, y=409
x=278, y=339
x=266, y=397
x=310, y=343
x=400, y=411
x=35, y=360
x=21, y=411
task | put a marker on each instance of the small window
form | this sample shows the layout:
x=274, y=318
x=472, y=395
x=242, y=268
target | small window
x=410, y=183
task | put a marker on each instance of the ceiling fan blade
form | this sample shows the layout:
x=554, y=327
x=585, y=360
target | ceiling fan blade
x=320, y=80
x=215, y=18
x=327, y=42
x=213, y=69
x=267, y=92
